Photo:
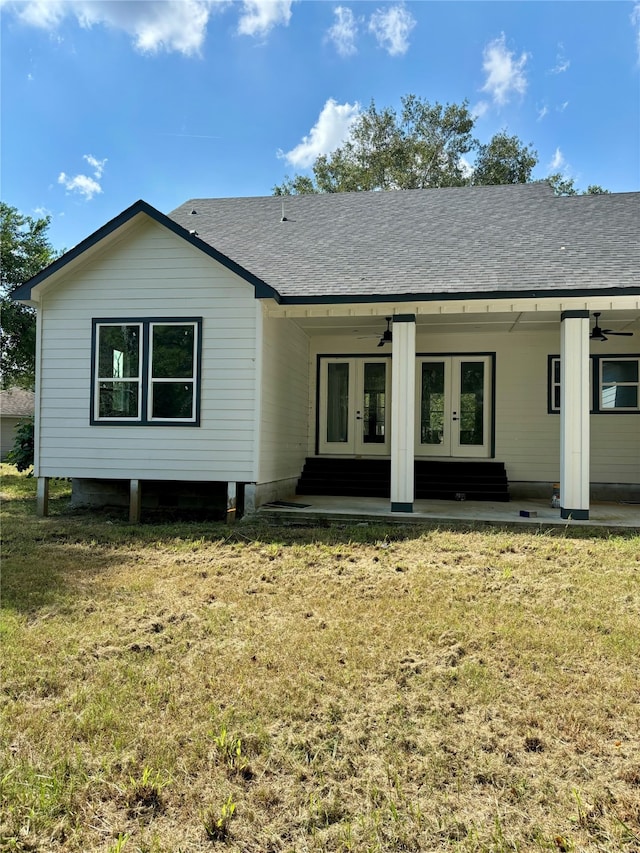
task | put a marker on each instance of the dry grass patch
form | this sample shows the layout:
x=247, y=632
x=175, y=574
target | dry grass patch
x=192, y=687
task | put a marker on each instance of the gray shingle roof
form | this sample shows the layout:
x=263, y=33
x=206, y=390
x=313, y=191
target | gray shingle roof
x=17, y=403
x=469, y=240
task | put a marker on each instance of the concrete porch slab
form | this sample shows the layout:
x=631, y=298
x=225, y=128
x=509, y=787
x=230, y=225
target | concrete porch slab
x=617, y=516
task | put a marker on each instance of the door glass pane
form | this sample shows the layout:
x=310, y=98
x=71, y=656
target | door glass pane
x=471, y=403
x=337, y=401
x=432, y=403
x=374, y=402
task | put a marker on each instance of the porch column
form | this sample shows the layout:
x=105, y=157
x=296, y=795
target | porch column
x=403, y=395
x=574, y=414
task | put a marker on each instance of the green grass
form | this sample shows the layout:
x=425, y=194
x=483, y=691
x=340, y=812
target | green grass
x=186, y=687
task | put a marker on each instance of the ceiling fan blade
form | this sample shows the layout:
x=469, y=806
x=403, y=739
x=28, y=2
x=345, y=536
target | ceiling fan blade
x=382, y=342
x=622, y=334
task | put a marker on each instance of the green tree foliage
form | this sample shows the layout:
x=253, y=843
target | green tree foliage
x=25, y=250
x=424, y=146
x=562, y=185
x=21, y=454
x=504, y=160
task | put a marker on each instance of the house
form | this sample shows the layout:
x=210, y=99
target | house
x=16, y=404
x=234, y=340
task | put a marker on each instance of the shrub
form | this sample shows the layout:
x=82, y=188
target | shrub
x=21, y=454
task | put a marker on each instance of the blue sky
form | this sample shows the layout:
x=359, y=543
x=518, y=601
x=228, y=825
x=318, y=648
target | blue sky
x=107, y=102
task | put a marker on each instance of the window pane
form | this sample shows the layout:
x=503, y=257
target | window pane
x=619, y=397
x=556, y=370
x=620, y=371
x=172, y=400
x=374, y=402
x=471, y=403
x=556, y=398
x=337, y=401
x=173, y=351
x=118, y=400
x=432, y=404
x=118, y=352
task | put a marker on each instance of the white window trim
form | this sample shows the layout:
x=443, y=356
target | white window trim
x=144, y=379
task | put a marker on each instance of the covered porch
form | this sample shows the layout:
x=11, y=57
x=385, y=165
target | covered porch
x=536, y=407
x=536, y=513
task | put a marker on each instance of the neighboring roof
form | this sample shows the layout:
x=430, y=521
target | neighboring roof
x=461, y=240
x=454, y=242
x=17, y=403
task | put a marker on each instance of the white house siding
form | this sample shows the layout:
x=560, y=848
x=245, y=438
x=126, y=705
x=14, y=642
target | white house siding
x=527, y=437
x=150, y=272
x=284, y=418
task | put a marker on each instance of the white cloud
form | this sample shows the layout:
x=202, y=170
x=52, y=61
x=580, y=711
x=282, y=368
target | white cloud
x=81, y=184
x=505, y=73
x=84, y=185
x=154, y=25
x=343, y=33
x=562, y=63
x=260, y=16
x=327, y=134
x=557, y=161
x=171, y=25
x=98, y=165
x=391, y=27
x=635, y=22
x=562, y=107
x=480, y=109
x=543, y=112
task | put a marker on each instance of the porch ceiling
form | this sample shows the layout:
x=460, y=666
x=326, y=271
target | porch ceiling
x=517, y=321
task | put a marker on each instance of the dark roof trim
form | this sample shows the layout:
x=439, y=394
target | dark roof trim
x=263, y=290
x=343, y=299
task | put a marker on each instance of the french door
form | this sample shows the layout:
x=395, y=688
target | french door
x=453, y=411
x=355, y=410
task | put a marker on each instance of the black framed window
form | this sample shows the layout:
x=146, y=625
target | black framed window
x=146, y=371
x=618, y=384
x=614, y=384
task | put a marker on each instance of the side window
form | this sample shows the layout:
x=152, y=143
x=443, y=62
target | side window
x=619, y=384
x=119, y=366
x=553, y=383
x=615, y=378
x=172, y=371
x=146, y=371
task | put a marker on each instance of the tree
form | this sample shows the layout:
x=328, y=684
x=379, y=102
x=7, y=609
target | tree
x=563, y=185
x=25, y=250
x=425, y=146
x=504, y=160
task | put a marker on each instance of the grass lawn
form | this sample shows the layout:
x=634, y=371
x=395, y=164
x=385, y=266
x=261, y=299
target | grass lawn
x=194, y=687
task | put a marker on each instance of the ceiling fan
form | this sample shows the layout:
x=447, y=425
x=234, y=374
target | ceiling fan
x=598, y=334
x=386, y=336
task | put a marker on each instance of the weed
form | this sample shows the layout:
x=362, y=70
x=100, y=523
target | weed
x=229, y=748
x=216, y=821
x=144, y=793
x=120, y=843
